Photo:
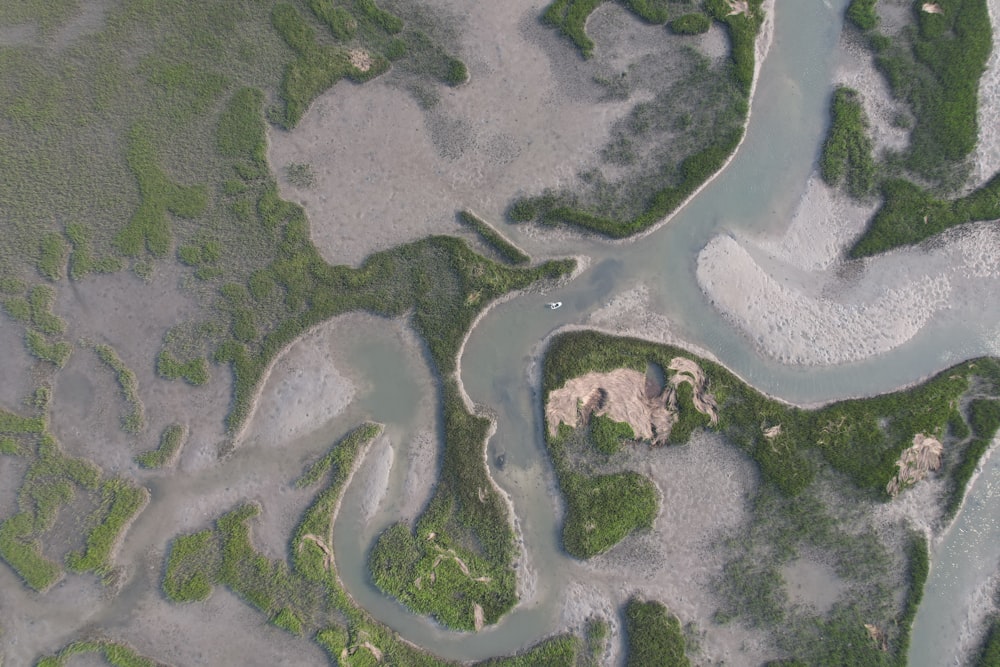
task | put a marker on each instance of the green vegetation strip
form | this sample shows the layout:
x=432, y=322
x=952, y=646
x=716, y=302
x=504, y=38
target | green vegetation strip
x=570, y=17
x=847, y=152
x=989, y=653
x=654, y=636
x=507, y=250
x=984, y=418
x=50, y=483
x=168, y=450
x=862, y=439
x=36, y=310
x=120, y=503
x=116, y=654
x=307, y=598
x=135, y=420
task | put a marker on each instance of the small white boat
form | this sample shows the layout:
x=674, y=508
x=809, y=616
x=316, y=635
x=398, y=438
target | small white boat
x=553, y=305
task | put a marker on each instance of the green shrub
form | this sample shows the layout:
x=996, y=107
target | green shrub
x=507, y=250
x=166, y=453
x=651, y=11
x=607, y=434
x=288, y=621
x=56, y=353
x=603, y=509
x=120, y=503
x=989, y=652
x=570, y=17
x=848, y=149
x=654, y=636
x=862, y=14
x=690, y=24
x=194, y=371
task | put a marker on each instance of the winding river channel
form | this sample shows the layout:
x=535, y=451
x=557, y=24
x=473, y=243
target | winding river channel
x=757, y=193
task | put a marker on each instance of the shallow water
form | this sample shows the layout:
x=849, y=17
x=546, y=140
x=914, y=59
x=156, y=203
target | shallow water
x=756, y=193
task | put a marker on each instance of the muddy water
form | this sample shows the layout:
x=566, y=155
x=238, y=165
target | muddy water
x=755, y=193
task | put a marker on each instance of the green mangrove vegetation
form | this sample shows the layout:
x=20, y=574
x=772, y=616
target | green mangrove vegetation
x=509, y=252
x=120, y=502
x=671, y=145
x=847, y=152
x=171, y=441
x=133, y=421
x=114, y=653
x=654, y=635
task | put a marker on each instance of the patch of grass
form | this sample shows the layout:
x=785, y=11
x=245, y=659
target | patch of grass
x=168, y=450
x=36, y=310
x=607, y=434
x=507, y=250
x=690, y=24
x=192, y=566
x=121, y=502
x=193, y=371
x=935, y=68
x=862, y=14
x=9, y=447
x=596, y=639
x=24, y=555
x=985, y=418
x=654, y=635
x=13, y=424
x=570, y=18
x=601, y=510
x=52, y=254
x=318, y=67
x=847, y=152
x=133, y=421
x=910, y=214
x=150, y=229
x=288, y=621
x=117, y=654
x=56, y=353
x=989, y=652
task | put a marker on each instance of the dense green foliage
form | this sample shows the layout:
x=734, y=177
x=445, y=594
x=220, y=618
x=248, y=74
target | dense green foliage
x=984, y=416
x=194, y=371
x=168, y=450
x=55, y=353
x=607, y=434
x=570, y=17
x=910, y=214
x=847, y=151
x=120, y=502
x=862, y=14
x=654, y=636
x=507, y=250
x=134, y=420
x=601, y=510
x=935, y=69
x=52, y=254
x=690, y=24
x=989, y=653
x=149, y=229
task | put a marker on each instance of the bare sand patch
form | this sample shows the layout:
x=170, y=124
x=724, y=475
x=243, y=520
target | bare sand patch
x=623, y=396
x=809, y=582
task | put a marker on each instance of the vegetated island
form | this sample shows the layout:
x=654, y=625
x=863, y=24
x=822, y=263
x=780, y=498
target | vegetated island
x=604, y=399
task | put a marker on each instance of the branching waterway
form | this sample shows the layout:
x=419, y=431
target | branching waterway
x=757, y=193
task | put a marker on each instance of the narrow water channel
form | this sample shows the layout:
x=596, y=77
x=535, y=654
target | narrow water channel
x=757, y=193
